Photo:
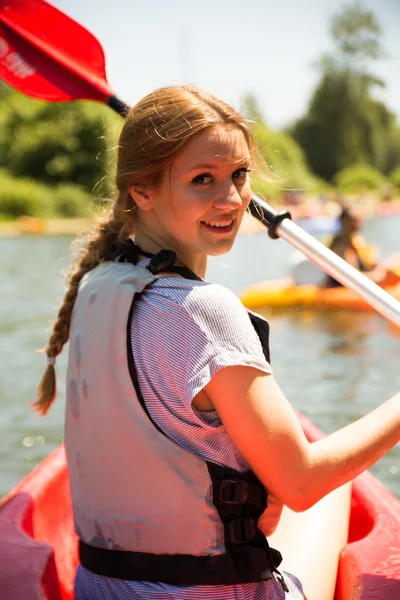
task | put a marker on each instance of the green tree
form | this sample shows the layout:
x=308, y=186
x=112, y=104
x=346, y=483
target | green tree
x=394, y=149
x=287, y=167
x=4, y=90
x=359, y=178
x=58, y=142
x=345, y=124
x=356, y=33
x=286, y=163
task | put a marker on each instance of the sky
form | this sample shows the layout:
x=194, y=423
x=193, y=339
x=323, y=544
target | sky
x=230, y=48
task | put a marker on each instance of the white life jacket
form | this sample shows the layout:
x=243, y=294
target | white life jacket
x=145, y=509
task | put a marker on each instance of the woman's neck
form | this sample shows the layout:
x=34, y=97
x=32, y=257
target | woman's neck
x=153, y=245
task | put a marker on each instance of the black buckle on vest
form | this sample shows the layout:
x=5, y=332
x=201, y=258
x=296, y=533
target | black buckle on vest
x=161, y=261
x=233, y=491
x=241, y=531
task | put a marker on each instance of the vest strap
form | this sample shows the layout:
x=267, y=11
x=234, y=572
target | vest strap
x=247, y=565
x=161, y=261
x=238, y=491
x=240, y=531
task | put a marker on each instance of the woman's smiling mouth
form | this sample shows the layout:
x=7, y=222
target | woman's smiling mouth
x=219, y=226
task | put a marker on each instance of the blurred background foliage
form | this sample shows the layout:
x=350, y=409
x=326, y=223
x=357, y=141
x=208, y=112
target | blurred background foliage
x=58, y=159
x=345, y=124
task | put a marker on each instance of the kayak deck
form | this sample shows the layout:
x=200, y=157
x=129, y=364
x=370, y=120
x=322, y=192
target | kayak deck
x=38, y=544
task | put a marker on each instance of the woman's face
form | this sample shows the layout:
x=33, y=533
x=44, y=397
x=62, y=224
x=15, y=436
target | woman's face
x=198, y=207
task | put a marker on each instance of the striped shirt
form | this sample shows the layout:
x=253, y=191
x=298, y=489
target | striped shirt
x=182, y=333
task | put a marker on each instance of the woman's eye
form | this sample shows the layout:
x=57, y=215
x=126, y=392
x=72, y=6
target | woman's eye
x=202, y=179
x=240, y=173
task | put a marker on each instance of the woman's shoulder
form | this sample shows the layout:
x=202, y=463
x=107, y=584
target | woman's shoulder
x=208, y=315
x=199, y=300
x=197, y=293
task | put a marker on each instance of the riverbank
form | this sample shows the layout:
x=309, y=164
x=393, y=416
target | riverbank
x=307, y=210
x=76, y=227
x=38, y=226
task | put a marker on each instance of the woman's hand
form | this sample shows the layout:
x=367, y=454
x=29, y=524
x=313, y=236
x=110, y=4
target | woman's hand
x=270, y=518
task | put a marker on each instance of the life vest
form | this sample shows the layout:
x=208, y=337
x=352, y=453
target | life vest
x=146, y=509
x=368, y=254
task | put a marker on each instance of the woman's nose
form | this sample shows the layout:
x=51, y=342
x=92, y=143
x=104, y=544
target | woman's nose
x=228, y=198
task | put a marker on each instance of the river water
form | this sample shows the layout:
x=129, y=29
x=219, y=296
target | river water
x=333, y=367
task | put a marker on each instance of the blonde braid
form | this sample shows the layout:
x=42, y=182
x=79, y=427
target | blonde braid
x=109, y=231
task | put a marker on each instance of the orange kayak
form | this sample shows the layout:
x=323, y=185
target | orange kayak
x=38, y=545
x=283, y=293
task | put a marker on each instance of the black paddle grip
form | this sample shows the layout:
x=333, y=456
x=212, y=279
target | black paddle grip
x=116, y=104
x=268, y=216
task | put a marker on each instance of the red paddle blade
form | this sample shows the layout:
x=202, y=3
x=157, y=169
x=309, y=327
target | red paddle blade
x=46, y=54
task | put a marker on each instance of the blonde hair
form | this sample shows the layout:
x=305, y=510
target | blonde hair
x=154, y=132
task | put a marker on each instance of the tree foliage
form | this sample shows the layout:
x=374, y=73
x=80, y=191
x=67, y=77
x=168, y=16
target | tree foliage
x=57, y=142
x=286, y=164
x=356, y=33
x=21, y=196
x=345, y=124
x=395, y=178
x=359, y=177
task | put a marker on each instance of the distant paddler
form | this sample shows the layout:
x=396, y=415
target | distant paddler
x=350, y=244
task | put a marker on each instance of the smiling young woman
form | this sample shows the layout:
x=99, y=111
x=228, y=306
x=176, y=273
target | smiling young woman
x=175, y=429
x=197, y=207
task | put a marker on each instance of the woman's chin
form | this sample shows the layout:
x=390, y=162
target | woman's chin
x=221, y=248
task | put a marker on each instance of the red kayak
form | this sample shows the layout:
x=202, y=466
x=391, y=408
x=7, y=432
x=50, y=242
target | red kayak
x=38, y=545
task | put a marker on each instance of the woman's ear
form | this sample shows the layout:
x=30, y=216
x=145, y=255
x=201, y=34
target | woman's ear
x=141, y=197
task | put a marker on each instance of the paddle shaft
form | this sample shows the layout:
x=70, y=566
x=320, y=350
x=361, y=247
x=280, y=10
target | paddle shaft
x=280, y=225
x=45, y=59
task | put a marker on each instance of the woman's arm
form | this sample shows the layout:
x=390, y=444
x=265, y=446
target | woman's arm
x=264, y=427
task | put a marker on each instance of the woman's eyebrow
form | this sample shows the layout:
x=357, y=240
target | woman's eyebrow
x=245, y=159
x=203, y=166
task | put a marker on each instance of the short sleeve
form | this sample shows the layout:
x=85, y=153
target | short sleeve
x=182, y=333
x=223, y=336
